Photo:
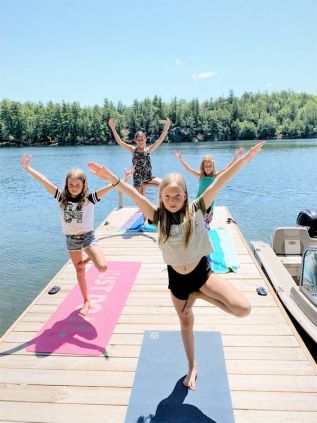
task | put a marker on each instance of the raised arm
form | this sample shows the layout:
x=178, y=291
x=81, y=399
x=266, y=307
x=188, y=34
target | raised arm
x=143, y=203
x=211, y=192
x=25, y=163
x=103, y=191
x=192, y=171
x=238, y=153
x=159, y=141
x=123, y=144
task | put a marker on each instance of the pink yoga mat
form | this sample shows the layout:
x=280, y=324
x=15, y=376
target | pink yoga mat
x=67, y=332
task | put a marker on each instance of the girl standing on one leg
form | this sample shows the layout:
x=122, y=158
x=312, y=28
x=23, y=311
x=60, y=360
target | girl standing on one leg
x=77, y=219
x=185, y=245
x=206, y=175
x=141, y=156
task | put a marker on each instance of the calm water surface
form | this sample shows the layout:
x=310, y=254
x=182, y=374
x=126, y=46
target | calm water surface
x=269, y=192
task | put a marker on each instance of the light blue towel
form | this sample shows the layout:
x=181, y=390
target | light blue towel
x=224, y=259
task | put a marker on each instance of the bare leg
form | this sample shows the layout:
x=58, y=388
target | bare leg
x=187, y=324
x=77, y=259
x=223, y=294
x=95, y=254
x=154, y=183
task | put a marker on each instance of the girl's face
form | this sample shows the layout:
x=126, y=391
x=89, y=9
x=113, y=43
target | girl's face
x=208, y=167
x=140, y=142
x=75, y=186
x=173, y=197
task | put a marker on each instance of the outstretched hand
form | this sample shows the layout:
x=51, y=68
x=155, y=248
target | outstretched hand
x=102, y=172
x=129, y=173
x=254, y=150
x=167, y=124
x=178, y=154
x=238, y=152
x=25, y=160
x=112, y=123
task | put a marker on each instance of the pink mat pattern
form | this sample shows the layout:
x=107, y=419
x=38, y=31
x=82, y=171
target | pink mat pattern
x=67, y=332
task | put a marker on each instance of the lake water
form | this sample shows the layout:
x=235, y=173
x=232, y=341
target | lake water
x=268, y=193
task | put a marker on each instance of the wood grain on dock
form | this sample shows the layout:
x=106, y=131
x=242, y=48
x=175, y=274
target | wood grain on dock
x=271, y=374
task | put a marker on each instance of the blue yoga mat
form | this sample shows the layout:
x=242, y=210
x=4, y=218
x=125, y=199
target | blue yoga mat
x=224, y=259
x=158, y=394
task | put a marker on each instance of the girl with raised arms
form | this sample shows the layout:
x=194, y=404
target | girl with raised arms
x=77, y=219
x=206, y=175
x=185, y=244
x=141, y=156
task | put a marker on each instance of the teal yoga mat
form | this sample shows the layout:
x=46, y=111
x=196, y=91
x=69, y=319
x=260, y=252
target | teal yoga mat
x=158, y=394
x=224, y=259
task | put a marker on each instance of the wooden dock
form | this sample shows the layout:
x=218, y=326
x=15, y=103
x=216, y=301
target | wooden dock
x=272, y=376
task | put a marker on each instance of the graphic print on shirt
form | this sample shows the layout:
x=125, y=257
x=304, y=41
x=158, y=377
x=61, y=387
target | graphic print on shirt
x=70, y=214
x=177, y=231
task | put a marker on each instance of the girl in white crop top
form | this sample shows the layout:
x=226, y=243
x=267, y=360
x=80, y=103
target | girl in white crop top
x=184, y=244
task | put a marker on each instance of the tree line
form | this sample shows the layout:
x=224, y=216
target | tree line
x=284, y=114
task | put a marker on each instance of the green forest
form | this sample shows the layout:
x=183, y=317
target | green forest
x=252, y=116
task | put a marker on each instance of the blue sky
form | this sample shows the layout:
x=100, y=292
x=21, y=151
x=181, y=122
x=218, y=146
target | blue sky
x=88, y=50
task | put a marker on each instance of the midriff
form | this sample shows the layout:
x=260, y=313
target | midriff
x=184, y=269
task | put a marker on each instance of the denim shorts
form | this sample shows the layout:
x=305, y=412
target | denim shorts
x=77, y=242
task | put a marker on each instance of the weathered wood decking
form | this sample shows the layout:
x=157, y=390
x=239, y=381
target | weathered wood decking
x=272, y=376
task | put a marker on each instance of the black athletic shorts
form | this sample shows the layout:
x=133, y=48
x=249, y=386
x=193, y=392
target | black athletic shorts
x=182, y=285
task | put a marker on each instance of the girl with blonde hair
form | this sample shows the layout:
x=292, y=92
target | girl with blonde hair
x=206, y=175
x=185, y=244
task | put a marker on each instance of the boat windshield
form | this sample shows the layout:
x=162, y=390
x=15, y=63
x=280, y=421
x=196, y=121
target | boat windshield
x=309, y=275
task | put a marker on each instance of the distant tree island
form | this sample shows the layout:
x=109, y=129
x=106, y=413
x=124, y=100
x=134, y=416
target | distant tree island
x=284, y=114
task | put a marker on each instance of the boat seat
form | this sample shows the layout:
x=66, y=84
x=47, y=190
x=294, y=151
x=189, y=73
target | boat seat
x=292, y=240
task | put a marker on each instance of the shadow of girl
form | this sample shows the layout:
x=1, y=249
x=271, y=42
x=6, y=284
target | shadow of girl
x=173, y=410
x=68, y=330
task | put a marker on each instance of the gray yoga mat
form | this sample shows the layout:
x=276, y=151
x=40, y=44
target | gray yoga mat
x=158, y=394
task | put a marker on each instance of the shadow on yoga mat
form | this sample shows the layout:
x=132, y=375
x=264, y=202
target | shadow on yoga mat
x=158, y=394
x=67, y=332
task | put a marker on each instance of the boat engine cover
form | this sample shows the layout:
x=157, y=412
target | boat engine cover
x=308, y=218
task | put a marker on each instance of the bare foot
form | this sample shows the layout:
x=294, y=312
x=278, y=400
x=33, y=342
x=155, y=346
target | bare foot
x=85, y=308
x=190, y=379
x=190, y=302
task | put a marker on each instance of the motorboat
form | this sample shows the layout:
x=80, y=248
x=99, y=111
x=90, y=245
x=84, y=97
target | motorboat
x=290, y=264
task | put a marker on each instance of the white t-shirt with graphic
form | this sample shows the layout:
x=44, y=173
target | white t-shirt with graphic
x=77, y=222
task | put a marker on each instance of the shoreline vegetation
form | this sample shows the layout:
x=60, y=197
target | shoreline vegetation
x=279, y=115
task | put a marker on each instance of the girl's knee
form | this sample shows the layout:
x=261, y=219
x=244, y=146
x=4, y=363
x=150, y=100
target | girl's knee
x=243, y=310
x=187, y=321
x=101, y=267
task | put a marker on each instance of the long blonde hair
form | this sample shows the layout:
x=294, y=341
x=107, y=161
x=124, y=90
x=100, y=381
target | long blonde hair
x=202, y=164
x=165, y=217
x=66, y=195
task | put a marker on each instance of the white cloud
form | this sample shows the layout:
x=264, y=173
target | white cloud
x=203, y=75
x=269, y=85
x=178, y=61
